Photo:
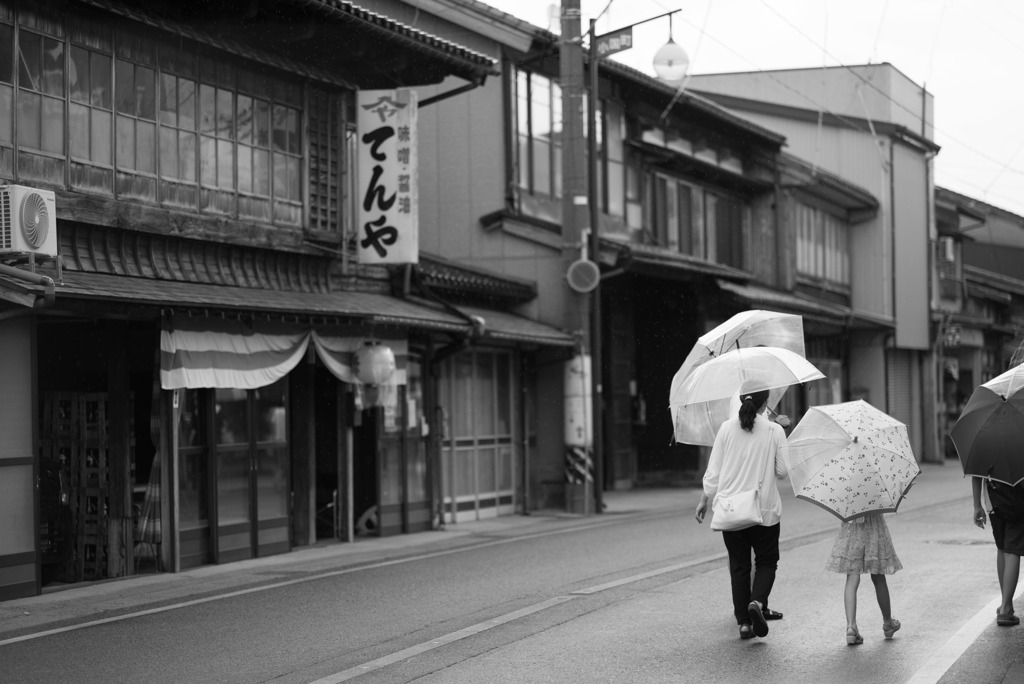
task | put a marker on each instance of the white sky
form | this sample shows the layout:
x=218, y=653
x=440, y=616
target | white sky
x=969, y=54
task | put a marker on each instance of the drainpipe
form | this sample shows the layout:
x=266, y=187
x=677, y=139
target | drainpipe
x=524, y=424
x=892, y=229
x=36, y=279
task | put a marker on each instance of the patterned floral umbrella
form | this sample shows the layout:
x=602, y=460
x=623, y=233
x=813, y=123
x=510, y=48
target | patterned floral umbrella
x=850, y=459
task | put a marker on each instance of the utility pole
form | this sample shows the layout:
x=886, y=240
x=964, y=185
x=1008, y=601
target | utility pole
x=575, y=215
x=574, y=179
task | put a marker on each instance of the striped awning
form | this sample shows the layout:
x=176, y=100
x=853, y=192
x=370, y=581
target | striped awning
x=231, y=354
x=227, y=355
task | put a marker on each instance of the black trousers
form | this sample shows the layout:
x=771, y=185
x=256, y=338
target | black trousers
x=764, y=543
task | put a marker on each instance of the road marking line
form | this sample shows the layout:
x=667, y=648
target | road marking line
x=358, y=670
x=680, y=566
x=946, y=655
x=301, y=580
x=397, y=561
x=645, y=575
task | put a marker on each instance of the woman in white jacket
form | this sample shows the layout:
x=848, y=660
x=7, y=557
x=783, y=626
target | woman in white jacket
x=745, y=457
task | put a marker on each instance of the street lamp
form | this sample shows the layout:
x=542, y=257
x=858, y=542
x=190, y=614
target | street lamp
x=670, y=64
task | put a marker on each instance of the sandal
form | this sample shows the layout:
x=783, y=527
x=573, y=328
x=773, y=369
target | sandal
x=853, y=637
x=770, y=614
x=890, y=627
x=746, y=631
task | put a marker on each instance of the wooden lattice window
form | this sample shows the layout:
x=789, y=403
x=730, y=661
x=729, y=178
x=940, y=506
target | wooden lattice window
x=324, y=160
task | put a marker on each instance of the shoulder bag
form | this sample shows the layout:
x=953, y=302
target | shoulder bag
x=740, y=510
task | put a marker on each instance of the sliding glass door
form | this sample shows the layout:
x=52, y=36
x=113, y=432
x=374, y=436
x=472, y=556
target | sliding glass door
x=251, y=445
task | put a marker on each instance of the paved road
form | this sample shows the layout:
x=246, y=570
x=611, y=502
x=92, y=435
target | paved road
x=637, y=595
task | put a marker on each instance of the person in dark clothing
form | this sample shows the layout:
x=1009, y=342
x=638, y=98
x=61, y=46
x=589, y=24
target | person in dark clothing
x=1006, y=514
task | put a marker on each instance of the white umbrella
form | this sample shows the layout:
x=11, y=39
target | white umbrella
x=698, y=423
x=751, y=328
x=850, y=459
x=701, y=401
x=746, y=370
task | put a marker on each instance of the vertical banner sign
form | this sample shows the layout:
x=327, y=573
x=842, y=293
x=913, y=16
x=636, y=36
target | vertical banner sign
x=388, y=228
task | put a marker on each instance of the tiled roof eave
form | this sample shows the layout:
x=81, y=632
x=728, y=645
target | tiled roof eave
x=445, y=49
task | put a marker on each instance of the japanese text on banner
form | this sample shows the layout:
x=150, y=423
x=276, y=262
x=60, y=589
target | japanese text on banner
x=387, y=225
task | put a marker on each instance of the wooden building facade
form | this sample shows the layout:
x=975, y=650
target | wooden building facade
x=182, y=361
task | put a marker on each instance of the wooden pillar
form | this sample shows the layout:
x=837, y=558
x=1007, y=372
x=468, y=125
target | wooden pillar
x=302, y=442
x=120, y=531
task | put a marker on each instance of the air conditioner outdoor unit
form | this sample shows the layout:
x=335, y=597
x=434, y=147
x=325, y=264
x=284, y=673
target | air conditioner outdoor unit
x=28, y=221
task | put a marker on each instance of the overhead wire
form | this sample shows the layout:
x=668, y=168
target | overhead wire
x=768, y=74
x=868, y=83
x=935, y=42
x=878, y=33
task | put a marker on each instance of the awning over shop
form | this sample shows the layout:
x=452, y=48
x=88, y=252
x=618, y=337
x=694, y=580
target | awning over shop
x=660, y=262
x=279, y=350
x=767, y=298
x=984, y=292
x=359, y=307
x=211, y=352
x=501, y=325
x=227, y=354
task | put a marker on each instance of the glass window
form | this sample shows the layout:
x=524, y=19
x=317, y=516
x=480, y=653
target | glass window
x=135, y=96
x=193, y=488
x=685, y=218
x=522, y=123
x=615, y=161
x=217, y=151
x=145, y=111
x=41, y=93
x=231, y=416
x=484, y=398
x=272, y=413
x=503, y=393
x=538, y=127
x=6, y=84
x=6, y=53
x=822, y=246
x=729, y=231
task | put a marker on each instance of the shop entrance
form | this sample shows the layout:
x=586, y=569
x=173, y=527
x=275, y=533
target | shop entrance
x=252, y=467
x=98, y=514
x=391, y=477
x=331, y=508
x=365, y=475
x=233, y=473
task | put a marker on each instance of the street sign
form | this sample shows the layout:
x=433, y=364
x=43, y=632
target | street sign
x=613, y=42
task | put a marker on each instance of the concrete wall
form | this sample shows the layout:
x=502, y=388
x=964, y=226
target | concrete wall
x=17, y=459
x=878, y=92
x=910, y=241
x=462, y=178
x=867, y=369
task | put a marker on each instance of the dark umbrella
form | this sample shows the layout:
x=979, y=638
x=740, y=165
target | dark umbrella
x=989, y=434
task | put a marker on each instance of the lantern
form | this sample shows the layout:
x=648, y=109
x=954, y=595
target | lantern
x=671, y=62
x=375, y=363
